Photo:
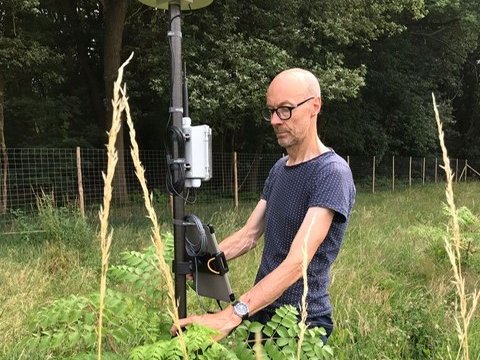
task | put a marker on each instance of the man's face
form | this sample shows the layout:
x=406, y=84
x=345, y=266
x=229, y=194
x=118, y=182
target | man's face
x=293, y=101
x=294, y=130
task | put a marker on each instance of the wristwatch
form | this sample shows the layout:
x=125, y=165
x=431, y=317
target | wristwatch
x=241, y=309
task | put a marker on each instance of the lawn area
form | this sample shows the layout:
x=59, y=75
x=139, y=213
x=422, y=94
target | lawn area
x=391, y=284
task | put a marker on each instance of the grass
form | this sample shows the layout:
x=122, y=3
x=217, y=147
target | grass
x=391, y=284
x=392, y=290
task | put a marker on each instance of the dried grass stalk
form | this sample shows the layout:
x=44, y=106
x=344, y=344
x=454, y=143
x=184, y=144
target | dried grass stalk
x=303, y=319
x=453, y=247
x=156, y=238
x=105, y=237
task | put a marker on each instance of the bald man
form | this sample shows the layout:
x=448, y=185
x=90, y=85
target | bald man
x=306, y=203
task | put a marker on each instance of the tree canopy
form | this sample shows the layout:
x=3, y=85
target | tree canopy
x=377, y=61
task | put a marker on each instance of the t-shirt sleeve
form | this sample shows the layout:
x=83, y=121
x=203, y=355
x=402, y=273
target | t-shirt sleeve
x=267, y=187
x=333, y=189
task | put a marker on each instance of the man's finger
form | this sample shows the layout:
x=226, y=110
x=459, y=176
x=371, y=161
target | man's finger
x=182, y=323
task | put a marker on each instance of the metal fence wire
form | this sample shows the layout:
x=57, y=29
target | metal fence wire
x=64, y=174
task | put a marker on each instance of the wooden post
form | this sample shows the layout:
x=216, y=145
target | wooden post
x=436, y=167
x=410, y=172
x=373, y=175
x=456, y=170
x=466, y=169
x=81, y=202
x=423, y=172
x=235, y=179
x=393, y=173
x=348, y=160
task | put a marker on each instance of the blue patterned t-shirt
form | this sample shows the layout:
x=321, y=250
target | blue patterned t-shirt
x=324, y=181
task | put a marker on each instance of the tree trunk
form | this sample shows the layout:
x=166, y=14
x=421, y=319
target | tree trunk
x=114, y=13
x=94, y=91
x=3, y=149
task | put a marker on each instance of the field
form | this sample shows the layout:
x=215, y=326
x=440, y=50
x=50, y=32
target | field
x=391, y=284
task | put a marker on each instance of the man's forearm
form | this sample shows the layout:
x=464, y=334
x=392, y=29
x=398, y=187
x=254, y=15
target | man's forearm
x=272, y=286
x=246, y=238
x=237, y=244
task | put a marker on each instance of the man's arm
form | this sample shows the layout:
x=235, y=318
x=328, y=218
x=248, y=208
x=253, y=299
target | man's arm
x=312, y=232
x=247, y=237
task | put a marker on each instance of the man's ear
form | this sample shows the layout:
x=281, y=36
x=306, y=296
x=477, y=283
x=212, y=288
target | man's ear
x=317, y=104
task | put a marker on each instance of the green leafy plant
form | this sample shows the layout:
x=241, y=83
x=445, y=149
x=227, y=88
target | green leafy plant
x=131, y=311
x=134, y=327
x=469, y=226
x=280, y=337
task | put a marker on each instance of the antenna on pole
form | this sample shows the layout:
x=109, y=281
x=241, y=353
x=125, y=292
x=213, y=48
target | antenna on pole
x=177, y=156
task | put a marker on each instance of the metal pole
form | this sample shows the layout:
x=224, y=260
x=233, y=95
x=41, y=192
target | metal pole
x=176, y=112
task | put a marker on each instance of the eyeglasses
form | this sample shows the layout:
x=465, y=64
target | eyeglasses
x=283, y=112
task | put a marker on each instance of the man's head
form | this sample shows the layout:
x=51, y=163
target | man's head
x=294, y=101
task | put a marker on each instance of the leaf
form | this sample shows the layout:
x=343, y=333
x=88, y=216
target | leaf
x=267, y=330
x=255, y=327
x=283, y=332
x=282, y=341
x=327, y=350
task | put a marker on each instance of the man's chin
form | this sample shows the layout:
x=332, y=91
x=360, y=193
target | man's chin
x=284, y=143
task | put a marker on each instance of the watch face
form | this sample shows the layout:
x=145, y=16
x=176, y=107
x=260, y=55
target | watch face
x=241, y=309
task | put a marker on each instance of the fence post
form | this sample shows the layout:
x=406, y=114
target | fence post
x=222, y=162
x=436, y=167
x=81, y=202
x=410, y=172
x=393, y=173
x=423, y=172
x=456, y=170
x=348, y=160
x=235, y=179
x=373, y=175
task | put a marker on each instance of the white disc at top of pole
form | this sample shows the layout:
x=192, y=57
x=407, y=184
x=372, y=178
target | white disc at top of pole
x=185, y=4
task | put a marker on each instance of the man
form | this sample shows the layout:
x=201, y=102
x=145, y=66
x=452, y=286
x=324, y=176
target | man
x=307, y=199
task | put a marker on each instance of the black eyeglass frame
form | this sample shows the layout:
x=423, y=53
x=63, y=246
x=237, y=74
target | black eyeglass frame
x=268, y=112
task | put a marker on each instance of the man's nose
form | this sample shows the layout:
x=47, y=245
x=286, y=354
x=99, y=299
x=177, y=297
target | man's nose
x=275, y=120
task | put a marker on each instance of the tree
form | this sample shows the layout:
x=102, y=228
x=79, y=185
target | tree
x=114, y=12
x=25, y=63
x=235, y=49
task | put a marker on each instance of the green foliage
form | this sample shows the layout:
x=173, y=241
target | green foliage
x=63, y=224
x=131, y=315
x=392, y=295
x=413, y=324
x=377, y=62
x=199, y=346
x=70, y=325
x=280, y=337
x=470, y=235
x=133, y=325
x=140, y=270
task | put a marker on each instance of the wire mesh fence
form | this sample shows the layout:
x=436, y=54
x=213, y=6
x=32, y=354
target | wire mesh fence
x=74, y=176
